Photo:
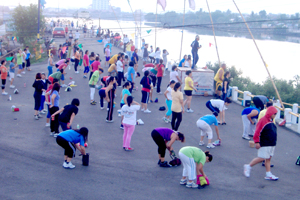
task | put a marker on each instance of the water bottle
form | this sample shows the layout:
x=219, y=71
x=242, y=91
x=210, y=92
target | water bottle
x=24, y=84
x=78, y=126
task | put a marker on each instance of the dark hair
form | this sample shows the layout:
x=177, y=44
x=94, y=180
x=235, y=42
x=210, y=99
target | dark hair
x=164, y=50
x=269, y=103
x=171, y=82
x=146, y=73
x=60, y=45
x=174, y=67
x=56, y=87
x=75, y=102
x=189, y=57
x=126, y=84
x=227, y=100
x=86, y=51
x=101, y=70
x=177, y=85
x=210, y=157
x=129, y=100
x=226, y=73
x=67, y=60
x=110, y=79
x=138, y=74
x=188, y=72
x=215, y=114
x=161, y=61
x=126, y=57
x=119, y=57
x=131, y=64
x=37, y=76
x=181, y=136
x=62, y=71
x=97, y=58
x=92, y=54
x=3, y=61
x=55, y=80
x=84, y=132
x=12, y=59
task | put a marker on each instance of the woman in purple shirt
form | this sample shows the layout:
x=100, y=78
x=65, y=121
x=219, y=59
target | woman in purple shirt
x=164, y=138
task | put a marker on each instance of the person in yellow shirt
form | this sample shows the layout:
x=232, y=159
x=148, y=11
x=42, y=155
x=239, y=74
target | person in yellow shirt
x=128, y=49
x=263, y=112
x=114, y=59
x=188, y=89
x=218, y=80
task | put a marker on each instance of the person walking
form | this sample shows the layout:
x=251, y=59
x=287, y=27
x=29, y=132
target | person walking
x=265, y=138
x=193, y=159
x=53, y=107
x=160, y=70
x=164, y=138
x=146, y=83
x=195, y=46
x=110, y=94
x=249, y=117
x=188, y=89
x=204, y=124
x=177, y=107
x=168, y=96
x=128, y=113
x=4, y=72
x=38, y=86
x=93, y=81
x=71, y=140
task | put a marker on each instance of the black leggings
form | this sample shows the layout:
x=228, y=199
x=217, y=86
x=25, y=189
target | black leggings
x=153, y=78
x=120, y=77
x=111, y=95
x=159, y=140
x=54, y=124
x=176, y=116
x=158, y=84
x=3, y=83
x=68, y=146
x=76, y=64
x=102, y=96
x=258, y=103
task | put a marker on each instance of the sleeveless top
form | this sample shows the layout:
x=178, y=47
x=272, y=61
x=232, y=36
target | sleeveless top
x=217, y=75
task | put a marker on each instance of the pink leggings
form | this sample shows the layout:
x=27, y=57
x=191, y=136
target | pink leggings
x=128, y=131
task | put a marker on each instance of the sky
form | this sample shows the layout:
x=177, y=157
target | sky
x=246, y=6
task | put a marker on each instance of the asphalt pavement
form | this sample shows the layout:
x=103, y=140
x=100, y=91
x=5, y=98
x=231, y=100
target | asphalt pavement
x=31, y=161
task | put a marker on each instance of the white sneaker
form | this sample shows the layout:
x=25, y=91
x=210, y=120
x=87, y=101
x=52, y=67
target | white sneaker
x=189, y=110
x=65, y=165
x=47, y=124
x=23, y=72
x=142, y=110
x=4, y=93
x=140, y=121
x=165, y=120
x=63, y=85
x=69, y=166
x=201, y=143
x=246, y=138
x=271, y=178
x=247, y=170
x=77, y=72
x=36, y=117
x=210, y=146
x=191, y=185
x=12, y=86
x=19, y=75
x=101, y=108
x=55, y=135
x=52, y=133
x=147, y=111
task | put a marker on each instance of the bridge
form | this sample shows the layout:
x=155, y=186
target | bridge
x=31, y=161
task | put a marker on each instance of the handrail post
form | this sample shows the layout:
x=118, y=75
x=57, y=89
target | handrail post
x=246, y=99
x=235, y=93
x=277, y=103
x=288, y=116
x=295, y=110
x=299, y=125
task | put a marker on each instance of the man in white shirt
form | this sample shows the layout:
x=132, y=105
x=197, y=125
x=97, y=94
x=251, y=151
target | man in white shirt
x=120, y=70
x=105, y=41
x=125, y=41
x=218, y=106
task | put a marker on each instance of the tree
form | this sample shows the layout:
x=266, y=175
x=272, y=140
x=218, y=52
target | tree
x=263, y=14
x=25, y=23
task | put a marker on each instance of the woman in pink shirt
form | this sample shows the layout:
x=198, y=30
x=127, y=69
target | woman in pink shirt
x=95, y=66
x=86, y=62
x=160, y=69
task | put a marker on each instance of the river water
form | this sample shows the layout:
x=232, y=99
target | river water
x=281, y=57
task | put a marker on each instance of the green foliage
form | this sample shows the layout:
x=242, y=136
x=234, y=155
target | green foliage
x=289, y=90
x=25, y=23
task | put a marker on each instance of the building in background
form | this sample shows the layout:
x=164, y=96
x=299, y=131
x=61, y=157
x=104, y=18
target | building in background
x=100, y=5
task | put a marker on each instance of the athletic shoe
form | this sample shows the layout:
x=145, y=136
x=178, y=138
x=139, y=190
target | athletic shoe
x=263, y=164
x=39, y=116
x=165, y=120
x=164, y=164
x=12, y=86
x=159, y=93
x=247, y=170
x=154, y=87
x=246, y=138
x=147, y=111
x=4, y=93
x=217, y=143
x=109, y=121
x=76, y=72
x=169, y=120
x=250, y=135
x=69, y=166
x=55, y=135
x=159, y=162
x=43, y=112
x=224, y=123
x=191, y=185
x=201, y=143
x=52, y=133
x=36, y=117
x=63, y=85
x=121, y=127
x=84, y=76
x=129, y=149
x=23, y=72
x=156, y=100
x=19, y=75
x=142, y=110
x=47, y=124
x=93, y=103
x=210, y=146
x=101, y=108
x=65, y=164
x=140, y=121
x=271, y=178
x=151, y=101
x=183, y=181
x=189, y=111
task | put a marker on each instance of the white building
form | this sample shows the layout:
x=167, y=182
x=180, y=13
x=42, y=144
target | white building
x=100, y=5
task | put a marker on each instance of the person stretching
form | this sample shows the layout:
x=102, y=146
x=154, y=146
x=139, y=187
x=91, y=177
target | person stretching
x=193, y=160
x=218, y=106
x=164, y=138
x=249, y=117
x=128, y=113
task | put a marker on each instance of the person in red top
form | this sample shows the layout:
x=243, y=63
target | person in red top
x=4, y=71
x=160, y=69
x=47, y=99
x=63, y=66
x=95, y=66
x=66, y=30
x=86, y=63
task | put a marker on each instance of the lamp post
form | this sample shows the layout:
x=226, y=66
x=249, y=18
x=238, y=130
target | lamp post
x=38, y=29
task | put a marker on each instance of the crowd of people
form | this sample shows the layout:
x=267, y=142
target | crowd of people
x=47, y=90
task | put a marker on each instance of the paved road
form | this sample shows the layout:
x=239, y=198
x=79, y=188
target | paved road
x=31, y=161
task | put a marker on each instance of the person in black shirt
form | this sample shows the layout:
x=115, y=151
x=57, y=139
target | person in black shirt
x=225, y=85
x=67, y=114
x=195, y=46
x=39, y=89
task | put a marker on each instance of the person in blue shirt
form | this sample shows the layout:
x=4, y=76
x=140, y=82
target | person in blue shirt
x=204, y=124
x=131, y=75
x=71, y=140
x=249, y=117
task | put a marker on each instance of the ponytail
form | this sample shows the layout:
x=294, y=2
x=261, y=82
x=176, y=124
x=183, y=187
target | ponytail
x=177, y=85
x=210, y=157
x=129, y=100
x=171, y=82
x=126, y=84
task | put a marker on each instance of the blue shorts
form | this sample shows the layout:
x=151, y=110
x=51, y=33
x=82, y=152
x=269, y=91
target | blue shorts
x=86, y=69
x=20, y=66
